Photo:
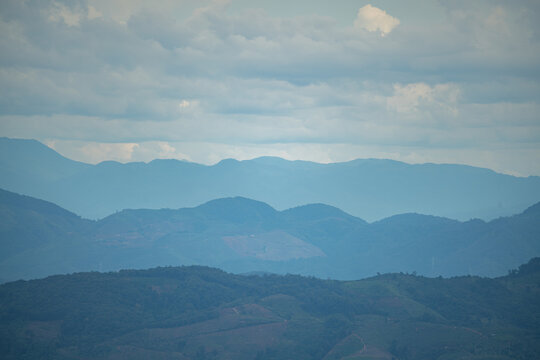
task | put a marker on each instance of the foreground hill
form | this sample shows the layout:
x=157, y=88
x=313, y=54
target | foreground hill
x=242, y=235
x=204, y=313
x=370, y=189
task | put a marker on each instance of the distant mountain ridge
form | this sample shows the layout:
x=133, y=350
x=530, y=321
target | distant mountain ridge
x=243, y=235
x=368, y=188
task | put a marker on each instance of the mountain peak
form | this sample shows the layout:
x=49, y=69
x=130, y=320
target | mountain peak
x=415, y=219
x=13, y=200
x=226, y=162
x=533, y=209
x=317, y=212
x=270, y=160
x=29, y=158
x=29, y=150
x=237, y=209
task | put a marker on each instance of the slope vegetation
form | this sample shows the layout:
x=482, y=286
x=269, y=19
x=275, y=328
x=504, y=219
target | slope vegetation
x=204, y=313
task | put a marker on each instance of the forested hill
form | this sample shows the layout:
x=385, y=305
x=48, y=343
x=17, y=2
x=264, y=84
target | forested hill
x=240, y=235
x=371, y=189
x=204, y=313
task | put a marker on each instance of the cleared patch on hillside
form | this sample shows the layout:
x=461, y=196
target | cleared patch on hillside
x=275, y=245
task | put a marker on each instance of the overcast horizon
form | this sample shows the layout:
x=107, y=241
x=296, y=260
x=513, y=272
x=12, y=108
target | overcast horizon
x=423, y=81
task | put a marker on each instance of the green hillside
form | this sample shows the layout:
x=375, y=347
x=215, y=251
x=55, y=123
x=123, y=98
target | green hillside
x=205, y=313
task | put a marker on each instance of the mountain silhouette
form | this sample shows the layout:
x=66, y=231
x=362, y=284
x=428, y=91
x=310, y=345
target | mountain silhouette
x=371, y=189
x=243, y=235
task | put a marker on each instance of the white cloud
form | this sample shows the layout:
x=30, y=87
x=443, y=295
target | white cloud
x=121, y=11
x=93, y=13
x=94, y=152
x=150, y=150
x=60, y=12
x=413, y=98
x=373, y=19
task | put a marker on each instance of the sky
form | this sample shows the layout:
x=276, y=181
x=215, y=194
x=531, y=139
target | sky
x=325, y=81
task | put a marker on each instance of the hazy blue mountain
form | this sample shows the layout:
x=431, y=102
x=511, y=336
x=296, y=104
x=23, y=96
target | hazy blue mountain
x=29, y=223
x=28, y=164
x=242, y=235
x=370, y=189
x=203, y=313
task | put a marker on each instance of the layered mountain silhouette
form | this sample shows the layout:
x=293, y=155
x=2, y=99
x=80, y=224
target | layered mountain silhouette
x=242, y=235
x=370, y=189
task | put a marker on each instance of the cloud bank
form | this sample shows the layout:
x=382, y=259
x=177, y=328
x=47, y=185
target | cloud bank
x=199, y=80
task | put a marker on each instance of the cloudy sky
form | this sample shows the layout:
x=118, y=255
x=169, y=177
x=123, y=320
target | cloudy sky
x=417, y=81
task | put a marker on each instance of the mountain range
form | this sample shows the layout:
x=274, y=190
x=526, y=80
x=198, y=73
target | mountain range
x=201, y=313
x=242, y=235
x=370, y=189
